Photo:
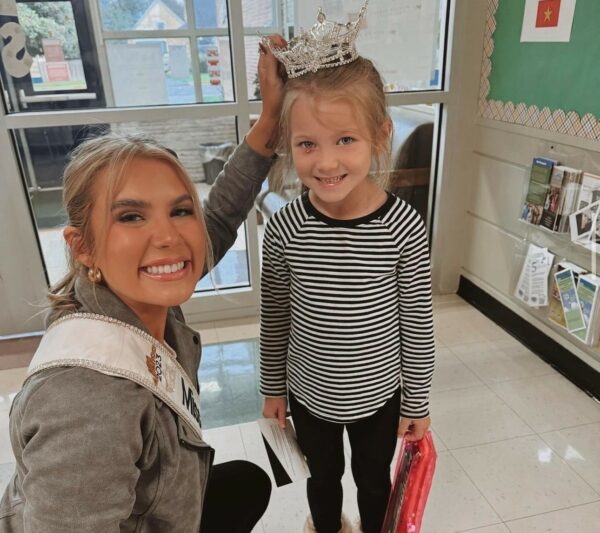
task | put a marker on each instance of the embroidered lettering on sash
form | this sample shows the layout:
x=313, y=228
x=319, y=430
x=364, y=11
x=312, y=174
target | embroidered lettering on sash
x=188, y=401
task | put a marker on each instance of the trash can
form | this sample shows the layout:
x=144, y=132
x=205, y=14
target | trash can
x=213, y=157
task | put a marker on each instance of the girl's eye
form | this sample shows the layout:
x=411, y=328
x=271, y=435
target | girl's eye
x=183, y=212
x=130, y=217
x=346, y=140
x=307, y=145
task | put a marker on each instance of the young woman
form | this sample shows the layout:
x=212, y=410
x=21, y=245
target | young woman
x=106, y=430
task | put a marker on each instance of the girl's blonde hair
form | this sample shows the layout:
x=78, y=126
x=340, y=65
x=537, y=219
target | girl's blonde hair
x=111, y=153
x=357, y=83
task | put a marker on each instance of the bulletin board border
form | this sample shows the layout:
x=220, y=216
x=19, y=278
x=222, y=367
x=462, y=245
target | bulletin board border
x=554, y=120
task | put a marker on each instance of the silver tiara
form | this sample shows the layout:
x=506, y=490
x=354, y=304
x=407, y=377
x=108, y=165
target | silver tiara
x=328, y=44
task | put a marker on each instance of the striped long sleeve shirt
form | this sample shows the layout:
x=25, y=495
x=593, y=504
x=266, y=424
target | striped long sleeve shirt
x=346, y=310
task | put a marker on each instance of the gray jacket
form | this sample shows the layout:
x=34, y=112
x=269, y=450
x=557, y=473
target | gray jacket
x=97, y=453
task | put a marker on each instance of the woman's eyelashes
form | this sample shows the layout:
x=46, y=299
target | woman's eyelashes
x=183, y=212
x=130, y=216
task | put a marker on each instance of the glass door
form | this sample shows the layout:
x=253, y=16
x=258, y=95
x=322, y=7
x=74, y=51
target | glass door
x=183, y=72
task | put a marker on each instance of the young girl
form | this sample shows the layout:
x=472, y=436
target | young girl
x=106, y=430
x=346, y=318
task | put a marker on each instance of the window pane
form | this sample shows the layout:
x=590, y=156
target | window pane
x=211, y=13
x=252, y=67
x=52, y=42
x=200, y=144
x=215, y=68
x=123, y=15
x=402, y=37
x=258, y=13
x=62, y=68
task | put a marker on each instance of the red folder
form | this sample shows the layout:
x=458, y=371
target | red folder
x=410, y=487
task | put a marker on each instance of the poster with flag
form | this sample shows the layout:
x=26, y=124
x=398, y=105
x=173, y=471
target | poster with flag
x=548, y=21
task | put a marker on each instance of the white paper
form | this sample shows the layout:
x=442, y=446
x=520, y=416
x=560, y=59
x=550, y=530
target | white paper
x=532, y=287
x=285, y=447
x=560, y=33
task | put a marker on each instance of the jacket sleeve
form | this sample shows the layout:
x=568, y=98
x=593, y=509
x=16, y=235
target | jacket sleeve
x=275, y=316
x=232, y=196
x=416, y=322
x=81, y=443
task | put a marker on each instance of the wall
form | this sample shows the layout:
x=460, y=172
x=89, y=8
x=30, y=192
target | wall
x=498, y=158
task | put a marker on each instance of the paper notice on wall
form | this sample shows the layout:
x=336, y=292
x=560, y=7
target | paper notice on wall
x=286, y=458
x=548, y=21
x=532, y=287
x=399, y=36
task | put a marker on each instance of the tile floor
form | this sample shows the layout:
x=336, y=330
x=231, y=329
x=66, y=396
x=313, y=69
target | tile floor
x=517, y=443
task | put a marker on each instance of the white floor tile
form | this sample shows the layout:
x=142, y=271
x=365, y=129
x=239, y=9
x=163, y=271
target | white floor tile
x=6, y=453
x=580, y=447
x=523, y=477
x=450, y=374
x=474, y=416
x=497, y=528
x=227, y=442
x=581, y=519
x=548, y=403
x=454, y=503
x=501, y=360
x=6, y=472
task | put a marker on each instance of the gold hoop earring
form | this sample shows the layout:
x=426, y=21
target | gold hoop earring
x=94, y=274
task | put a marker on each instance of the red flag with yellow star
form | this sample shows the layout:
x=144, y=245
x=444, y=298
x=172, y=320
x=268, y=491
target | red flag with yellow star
x=549, y=21
x=547, y=14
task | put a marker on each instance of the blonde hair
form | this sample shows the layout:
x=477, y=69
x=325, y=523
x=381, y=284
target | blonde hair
x=357, y=83
x=113, y=153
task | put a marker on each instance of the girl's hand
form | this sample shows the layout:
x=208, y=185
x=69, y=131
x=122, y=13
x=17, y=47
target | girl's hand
x=275, y=408
x=413, y=429
x=272, y=76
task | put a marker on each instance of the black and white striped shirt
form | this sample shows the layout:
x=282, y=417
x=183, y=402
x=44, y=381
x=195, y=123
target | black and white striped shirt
x=346, y=310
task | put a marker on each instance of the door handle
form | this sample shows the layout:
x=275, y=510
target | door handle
x=42, y=98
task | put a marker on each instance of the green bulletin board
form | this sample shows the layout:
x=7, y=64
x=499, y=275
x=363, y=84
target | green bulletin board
x=549, y=85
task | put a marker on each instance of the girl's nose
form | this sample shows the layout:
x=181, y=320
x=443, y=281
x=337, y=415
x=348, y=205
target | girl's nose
x=327, y=162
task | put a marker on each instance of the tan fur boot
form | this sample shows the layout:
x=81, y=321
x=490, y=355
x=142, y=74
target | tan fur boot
x=309, y=525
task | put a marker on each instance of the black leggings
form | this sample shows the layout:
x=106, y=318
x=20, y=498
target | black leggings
x=237, y=495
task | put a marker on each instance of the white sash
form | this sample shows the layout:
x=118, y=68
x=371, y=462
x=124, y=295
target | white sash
x=117, y=349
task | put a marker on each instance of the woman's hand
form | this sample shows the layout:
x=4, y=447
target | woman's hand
x=413, y=429
x=264, y=135
x=272, y=76
x=275, y=408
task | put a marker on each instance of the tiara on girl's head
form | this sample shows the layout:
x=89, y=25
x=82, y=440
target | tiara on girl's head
x=328, y=44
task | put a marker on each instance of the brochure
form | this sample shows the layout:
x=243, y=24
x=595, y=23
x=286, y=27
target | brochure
x=532, y=287
x=286, y=458
x=567, y=289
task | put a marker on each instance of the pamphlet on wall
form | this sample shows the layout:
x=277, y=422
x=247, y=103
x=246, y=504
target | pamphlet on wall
x=537, y=190
x=588, y=289
x=555, y=310
x=582, y=223
x=567, y=288
x=532, y=287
